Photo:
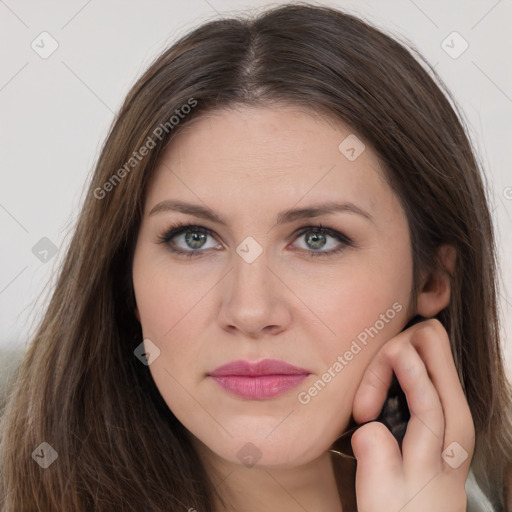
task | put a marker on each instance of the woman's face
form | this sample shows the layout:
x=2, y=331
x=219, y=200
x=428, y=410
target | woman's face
x=256, y=281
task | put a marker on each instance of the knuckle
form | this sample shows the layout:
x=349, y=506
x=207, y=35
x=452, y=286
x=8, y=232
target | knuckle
x=394, y=348
x=435, y=325
x=374, y=430
x=432, y=330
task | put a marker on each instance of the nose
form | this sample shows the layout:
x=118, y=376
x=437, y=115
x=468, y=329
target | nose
x=255, y=300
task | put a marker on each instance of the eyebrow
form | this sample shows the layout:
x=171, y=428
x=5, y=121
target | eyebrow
x=283, y=217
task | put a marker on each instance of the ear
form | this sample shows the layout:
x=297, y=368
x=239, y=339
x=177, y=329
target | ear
x=434, y=289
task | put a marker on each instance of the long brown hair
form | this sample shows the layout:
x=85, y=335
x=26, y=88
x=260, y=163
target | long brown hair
x=81, y=389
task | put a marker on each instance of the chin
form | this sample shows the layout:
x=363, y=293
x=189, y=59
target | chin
x=268, y=454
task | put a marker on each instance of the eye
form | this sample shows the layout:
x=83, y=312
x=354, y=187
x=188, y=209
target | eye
x=316, y=239
x=191, y=240
x=187, y=239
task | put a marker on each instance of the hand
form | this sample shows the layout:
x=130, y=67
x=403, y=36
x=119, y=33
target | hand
x=419, y=479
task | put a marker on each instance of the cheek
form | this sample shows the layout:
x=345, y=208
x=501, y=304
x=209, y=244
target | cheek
x=168, y=302
x=347, y=302
x=167, y=297
x=363, y=318
x=360, y=311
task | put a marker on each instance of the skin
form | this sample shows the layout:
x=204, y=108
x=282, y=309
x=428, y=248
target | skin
x=247, y=165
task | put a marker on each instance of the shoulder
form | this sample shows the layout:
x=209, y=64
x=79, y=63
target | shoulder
x=477, y=501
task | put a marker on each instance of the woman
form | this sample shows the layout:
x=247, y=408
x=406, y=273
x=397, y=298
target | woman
x=286, y=218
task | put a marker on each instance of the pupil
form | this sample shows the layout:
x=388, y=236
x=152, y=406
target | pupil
x=317, y=239
x=192, y=237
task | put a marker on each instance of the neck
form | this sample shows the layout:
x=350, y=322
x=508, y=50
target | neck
x=325, y=483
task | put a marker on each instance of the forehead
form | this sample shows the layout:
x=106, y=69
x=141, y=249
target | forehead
x=264, y=157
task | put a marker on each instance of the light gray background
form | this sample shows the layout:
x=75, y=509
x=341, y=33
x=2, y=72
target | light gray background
x=56, y=111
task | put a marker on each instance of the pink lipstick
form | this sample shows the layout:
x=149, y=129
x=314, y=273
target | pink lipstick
x=258, y=381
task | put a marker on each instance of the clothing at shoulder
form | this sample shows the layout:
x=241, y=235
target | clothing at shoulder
x=477, y=501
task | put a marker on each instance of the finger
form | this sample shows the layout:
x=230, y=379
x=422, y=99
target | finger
x=374, y=385
x=372, y=390
x=424, y=435
x=422, y=444
x=432, y=343
x=379, y=464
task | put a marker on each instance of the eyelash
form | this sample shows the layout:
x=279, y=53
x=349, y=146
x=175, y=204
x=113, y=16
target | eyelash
x=182, y=227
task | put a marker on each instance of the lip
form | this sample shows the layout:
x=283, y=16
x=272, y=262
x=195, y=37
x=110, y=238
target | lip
x=260, y=380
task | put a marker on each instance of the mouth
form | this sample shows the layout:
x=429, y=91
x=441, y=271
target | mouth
x=258, y=381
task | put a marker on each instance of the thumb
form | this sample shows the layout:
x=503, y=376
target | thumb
x=379, y=465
